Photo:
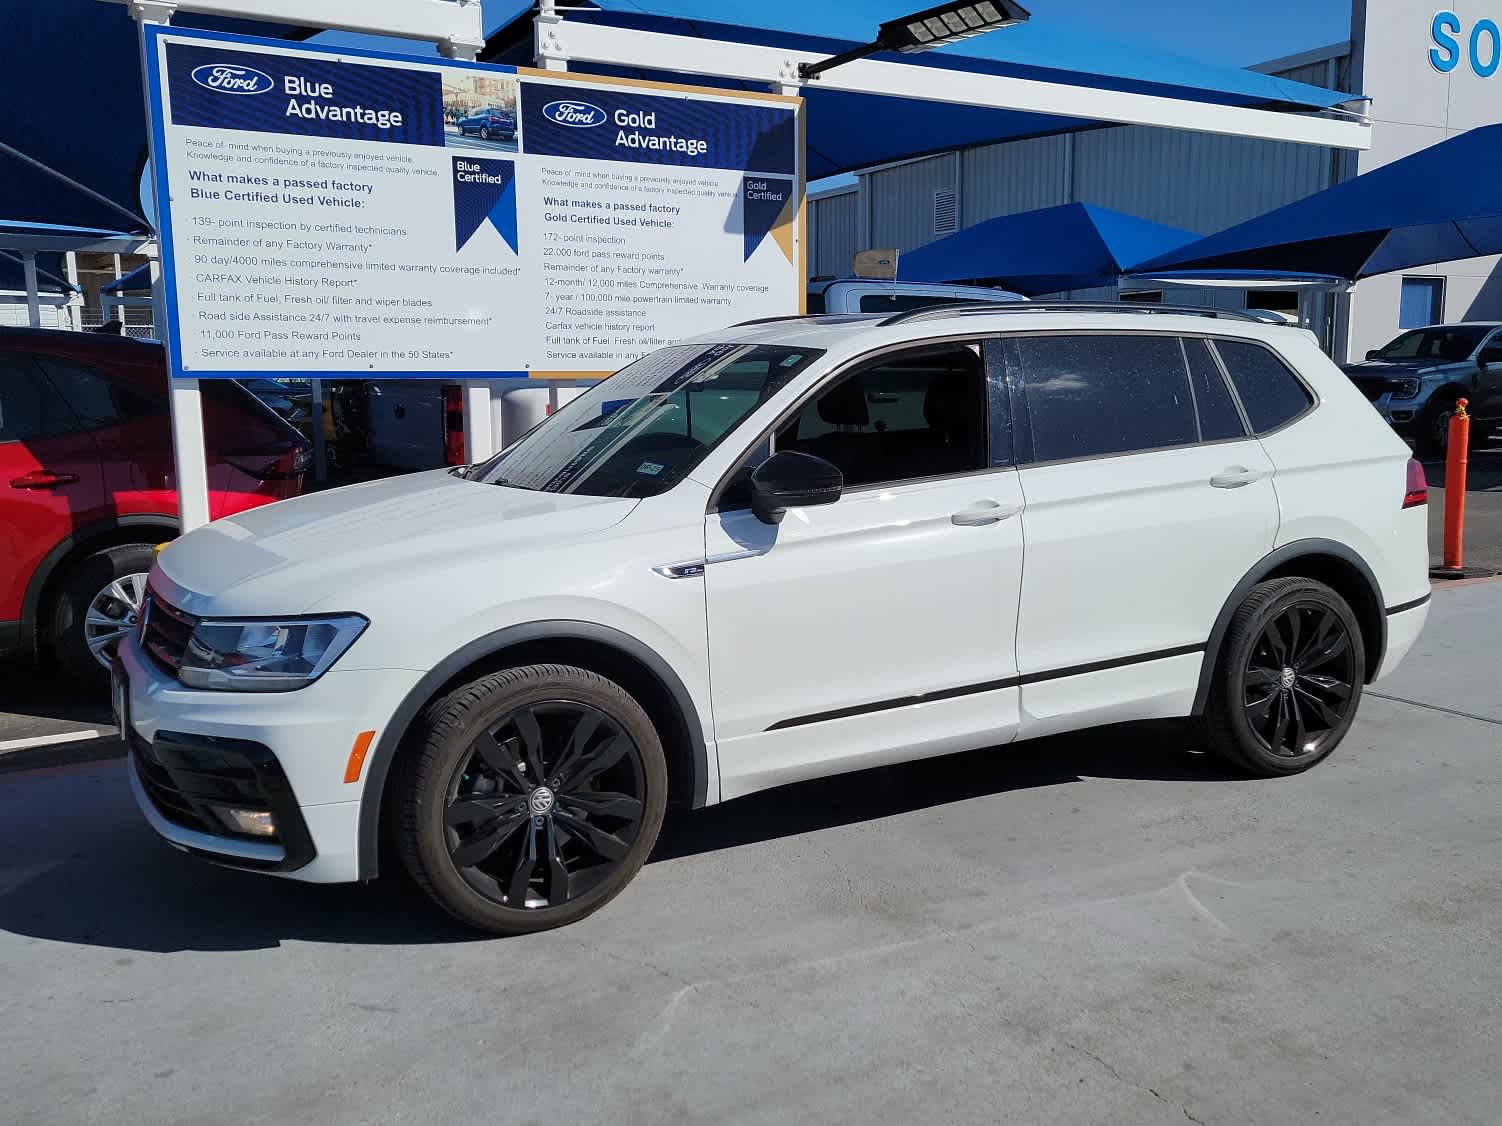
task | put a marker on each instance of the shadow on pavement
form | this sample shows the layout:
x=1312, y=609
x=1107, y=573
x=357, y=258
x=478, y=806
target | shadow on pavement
x=80, y=866
x=41, y=693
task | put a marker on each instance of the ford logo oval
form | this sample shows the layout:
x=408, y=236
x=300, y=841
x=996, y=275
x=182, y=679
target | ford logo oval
x=576, y=115
x=229, y=79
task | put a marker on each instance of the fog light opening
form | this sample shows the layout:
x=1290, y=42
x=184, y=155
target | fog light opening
x=247, y=822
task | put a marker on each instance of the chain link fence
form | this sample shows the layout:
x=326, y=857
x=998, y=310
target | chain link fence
x=138, y=323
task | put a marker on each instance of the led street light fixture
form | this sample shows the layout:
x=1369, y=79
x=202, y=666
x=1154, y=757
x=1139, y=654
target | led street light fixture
x=933, y=27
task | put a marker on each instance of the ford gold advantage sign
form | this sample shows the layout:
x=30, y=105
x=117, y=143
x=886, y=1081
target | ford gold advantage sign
x=338, y=213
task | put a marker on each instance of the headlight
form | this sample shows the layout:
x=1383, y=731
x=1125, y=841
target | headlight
x=1405, y=388
x=266, y=656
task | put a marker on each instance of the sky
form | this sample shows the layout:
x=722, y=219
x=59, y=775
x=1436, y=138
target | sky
x=1224, y=32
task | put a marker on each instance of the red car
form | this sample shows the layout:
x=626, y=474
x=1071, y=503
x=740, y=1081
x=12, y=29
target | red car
x=87, y=488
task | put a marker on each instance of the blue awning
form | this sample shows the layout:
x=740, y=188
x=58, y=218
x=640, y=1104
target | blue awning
x=100, y=99
x=1440, y=204
x=1053, y=249
x=850, y=131
x=138, y=280
x=49, y=274
x=71, y=85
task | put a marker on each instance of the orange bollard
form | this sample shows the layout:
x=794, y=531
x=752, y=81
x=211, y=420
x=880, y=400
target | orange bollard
x=1457, y=457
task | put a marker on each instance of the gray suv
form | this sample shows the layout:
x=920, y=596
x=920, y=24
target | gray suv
x=1415, y=380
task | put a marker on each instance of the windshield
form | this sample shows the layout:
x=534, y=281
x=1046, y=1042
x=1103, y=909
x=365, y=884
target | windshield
x=641, y=431
x=1447, y=344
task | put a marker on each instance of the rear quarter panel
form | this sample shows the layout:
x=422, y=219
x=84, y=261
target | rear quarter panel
x=1341, y=475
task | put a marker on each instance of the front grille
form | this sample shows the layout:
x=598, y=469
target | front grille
x=165, y=632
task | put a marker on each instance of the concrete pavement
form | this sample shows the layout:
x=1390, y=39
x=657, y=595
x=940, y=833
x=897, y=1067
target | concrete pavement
x=1094, y=929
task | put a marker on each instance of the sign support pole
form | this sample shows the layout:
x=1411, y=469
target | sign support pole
x=549, y=56
x=189, y=455
x=33, y=297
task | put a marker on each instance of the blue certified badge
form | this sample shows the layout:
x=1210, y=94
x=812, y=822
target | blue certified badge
x=576, y=115
x=229, y=79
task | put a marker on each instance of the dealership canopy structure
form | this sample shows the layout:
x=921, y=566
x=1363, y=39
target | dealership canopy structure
x=1026, y=81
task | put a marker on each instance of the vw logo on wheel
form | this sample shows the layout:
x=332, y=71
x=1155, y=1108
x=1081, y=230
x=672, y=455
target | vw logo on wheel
x=574, y=114
x=541, y=800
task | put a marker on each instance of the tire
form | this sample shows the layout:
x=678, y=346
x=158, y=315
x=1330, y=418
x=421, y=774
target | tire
x=467, y=810
x=1432, y=435
x=86, y=582
x=484, y=132
x=1293, y=656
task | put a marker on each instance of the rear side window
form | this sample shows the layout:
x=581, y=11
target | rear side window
x=96, y=399
x=1270, y=393
x=29, y=407
x=1091, y=396
x=1219, y=418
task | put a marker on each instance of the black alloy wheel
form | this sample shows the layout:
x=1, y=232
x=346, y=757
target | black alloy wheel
x=533, y=799
x=1288, y=678
x=544, y=806
x=1299, y=683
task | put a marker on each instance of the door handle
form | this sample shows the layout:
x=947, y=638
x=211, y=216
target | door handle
x=44, y=479
x=984, y=512
x=1235, y=477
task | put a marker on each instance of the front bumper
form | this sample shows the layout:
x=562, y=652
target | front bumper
x=285, y=752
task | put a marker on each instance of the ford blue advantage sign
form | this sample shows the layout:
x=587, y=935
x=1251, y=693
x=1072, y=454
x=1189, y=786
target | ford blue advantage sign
x=599, y=123
x=263, y=93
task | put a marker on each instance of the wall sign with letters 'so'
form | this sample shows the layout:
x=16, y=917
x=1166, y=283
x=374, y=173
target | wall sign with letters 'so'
x=1482, y=48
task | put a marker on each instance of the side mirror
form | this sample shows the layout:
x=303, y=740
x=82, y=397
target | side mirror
x=1490, y=356
x=1371, y=353
x=793, y=480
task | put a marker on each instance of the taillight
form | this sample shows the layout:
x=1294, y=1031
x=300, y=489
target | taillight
x=453, y=424
x=1418, y=486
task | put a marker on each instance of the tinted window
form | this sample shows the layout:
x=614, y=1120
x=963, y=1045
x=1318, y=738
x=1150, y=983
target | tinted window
x=1449, y=345
x=1090, y=396
x=1270, y=393
x=29, y=407
x=920, y=414
x=1219, y=417
x=96, y=399
x=641, y=431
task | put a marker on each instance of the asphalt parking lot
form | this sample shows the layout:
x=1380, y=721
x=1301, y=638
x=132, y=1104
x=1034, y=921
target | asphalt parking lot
x=1100, y=928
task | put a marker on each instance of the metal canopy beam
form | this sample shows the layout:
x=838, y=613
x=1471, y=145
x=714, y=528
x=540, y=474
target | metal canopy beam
x=584, y=42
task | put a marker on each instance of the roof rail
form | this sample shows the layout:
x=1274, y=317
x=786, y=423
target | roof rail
x=975, y=308
x=774, y=320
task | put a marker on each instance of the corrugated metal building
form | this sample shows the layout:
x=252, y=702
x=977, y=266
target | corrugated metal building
x=1198, y=181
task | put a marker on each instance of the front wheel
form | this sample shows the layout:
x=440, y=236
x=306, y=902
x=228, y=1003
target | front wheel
x=1288, y=678
x=1432, y=437
x=98, y=603
x=534, y=798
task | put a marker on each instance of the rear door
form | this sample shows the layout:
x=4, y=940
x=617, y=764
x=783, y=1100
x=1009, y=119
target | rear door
x=50, y=480
x=1147, y=501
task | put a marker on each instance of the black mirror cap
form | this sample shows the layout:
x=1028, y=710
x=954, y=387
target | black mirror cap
x=1371, y=353
x=790, y=479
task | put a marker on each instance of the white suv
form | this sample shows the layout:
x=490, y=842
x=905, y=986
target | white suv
x=790, y=549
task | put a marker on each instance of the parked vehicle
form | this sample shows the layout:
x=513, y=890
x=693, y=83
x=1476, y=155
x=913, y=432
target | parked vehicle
x=869, y=295
x=780, y=551
x=87, y=487
x=490, y=122
x=1416, y=381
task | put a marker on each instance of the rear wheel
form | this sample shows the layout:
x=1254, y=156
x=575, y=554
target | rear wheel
x=98, y=604
x=1288, y=679
x=484, y=132
x=534, y=798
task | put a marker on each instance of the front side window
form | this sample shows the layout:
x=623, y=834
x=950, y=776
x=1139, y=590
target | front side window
x=1270, y=393
x=98, y=400
x=1101, y=394
x=913, y=415
x=1444, y=345
x=644, y=429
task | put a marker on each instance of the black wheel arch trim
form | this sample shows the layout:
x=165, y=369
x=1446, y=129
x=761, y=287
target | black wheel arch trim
x=80, y=539
x=378, y=766
x=1265, y=566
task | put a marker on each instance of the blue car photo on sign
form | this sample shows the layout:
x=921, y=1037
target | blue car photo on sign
x=264, y=93
x=484, y=191
x=598, y=123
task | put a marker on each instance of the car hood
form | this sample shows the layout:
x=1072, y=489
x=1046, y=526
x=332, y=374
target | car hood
x=286, y=557
x=1392, y=367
